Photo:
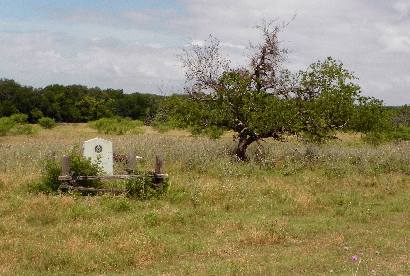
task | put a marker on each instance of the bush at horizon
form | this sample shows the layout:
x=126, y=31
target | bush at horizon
x=117, y=125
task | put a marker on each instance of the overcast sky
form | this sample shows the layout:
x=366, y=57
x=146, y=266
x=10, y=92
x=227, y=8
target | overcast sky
x=132, y=44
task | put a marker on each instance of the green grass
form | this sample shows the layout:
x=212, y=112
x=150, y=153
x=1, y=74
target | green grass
x=401, y=133
x=292, y=209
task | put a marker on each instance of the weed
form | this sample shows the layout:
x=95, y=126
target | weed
x=151, y=219
x=145, y=187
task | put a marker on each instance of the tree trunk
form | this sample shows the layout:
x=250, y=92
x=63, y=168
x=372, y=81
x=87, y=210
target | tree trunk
x=242, y=146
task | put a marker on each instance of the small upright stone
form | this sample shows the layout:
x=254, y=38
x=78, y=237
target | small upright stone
x=100, y=150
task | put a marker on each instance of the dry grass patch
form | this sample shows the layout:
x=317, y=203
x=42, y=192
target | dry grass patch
x=295, y=209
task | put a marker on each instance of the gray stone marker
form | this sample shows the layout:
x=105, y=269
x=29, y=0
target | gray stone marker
x=100, y=150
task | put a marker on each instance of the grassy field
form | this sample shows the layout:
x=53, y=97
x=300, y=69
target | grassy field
x=292, y=209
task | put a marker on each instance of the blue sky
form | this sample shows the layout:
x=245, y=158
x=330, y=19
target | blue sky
x=54, y=15
x=21, y=9
x=134, y=44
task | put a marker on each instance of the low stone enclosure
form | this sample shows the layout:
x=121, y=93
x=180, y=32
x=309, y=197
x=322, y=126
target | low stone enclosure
x=100, y=150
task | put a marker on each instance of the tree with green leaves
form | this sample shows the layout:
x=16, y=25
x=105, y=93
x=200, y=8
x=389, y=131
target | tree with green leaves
x=370, y=115
x=264, y=99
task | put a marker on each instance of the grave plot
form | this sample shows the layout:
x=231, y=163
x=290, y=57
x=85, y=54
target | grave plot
x=100, y=151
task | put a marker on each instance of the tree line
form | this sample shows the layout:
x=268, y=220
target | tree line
x=74, y=103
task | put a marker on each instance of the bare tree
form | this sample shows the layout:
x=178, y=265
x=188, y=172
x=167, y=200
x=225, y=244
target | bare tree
x=204, y=65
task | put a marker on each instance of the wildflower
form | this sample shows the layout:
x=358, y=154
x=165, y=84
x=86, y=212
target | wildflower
x=355, y=258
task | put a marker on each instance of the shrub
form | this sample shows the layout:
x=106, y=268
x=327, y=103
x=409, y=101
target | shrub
x=117, y=125
x=370, y=115
x=144, y=188
x=19, y=118
x=5, y=125
x=79, y=165
x=47, y=123
x=36, y=114
x=15, y=125
x=49, y=182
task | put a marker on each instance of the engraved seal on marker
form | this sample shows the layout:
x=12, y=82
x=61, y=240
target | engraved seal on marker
x=98, y=149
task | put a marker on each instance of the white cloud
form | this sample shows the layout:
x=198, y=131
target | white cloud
x=371, y=37
x=41, y=59
x=396, y=40
x=137, y=49
x=402, y=7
